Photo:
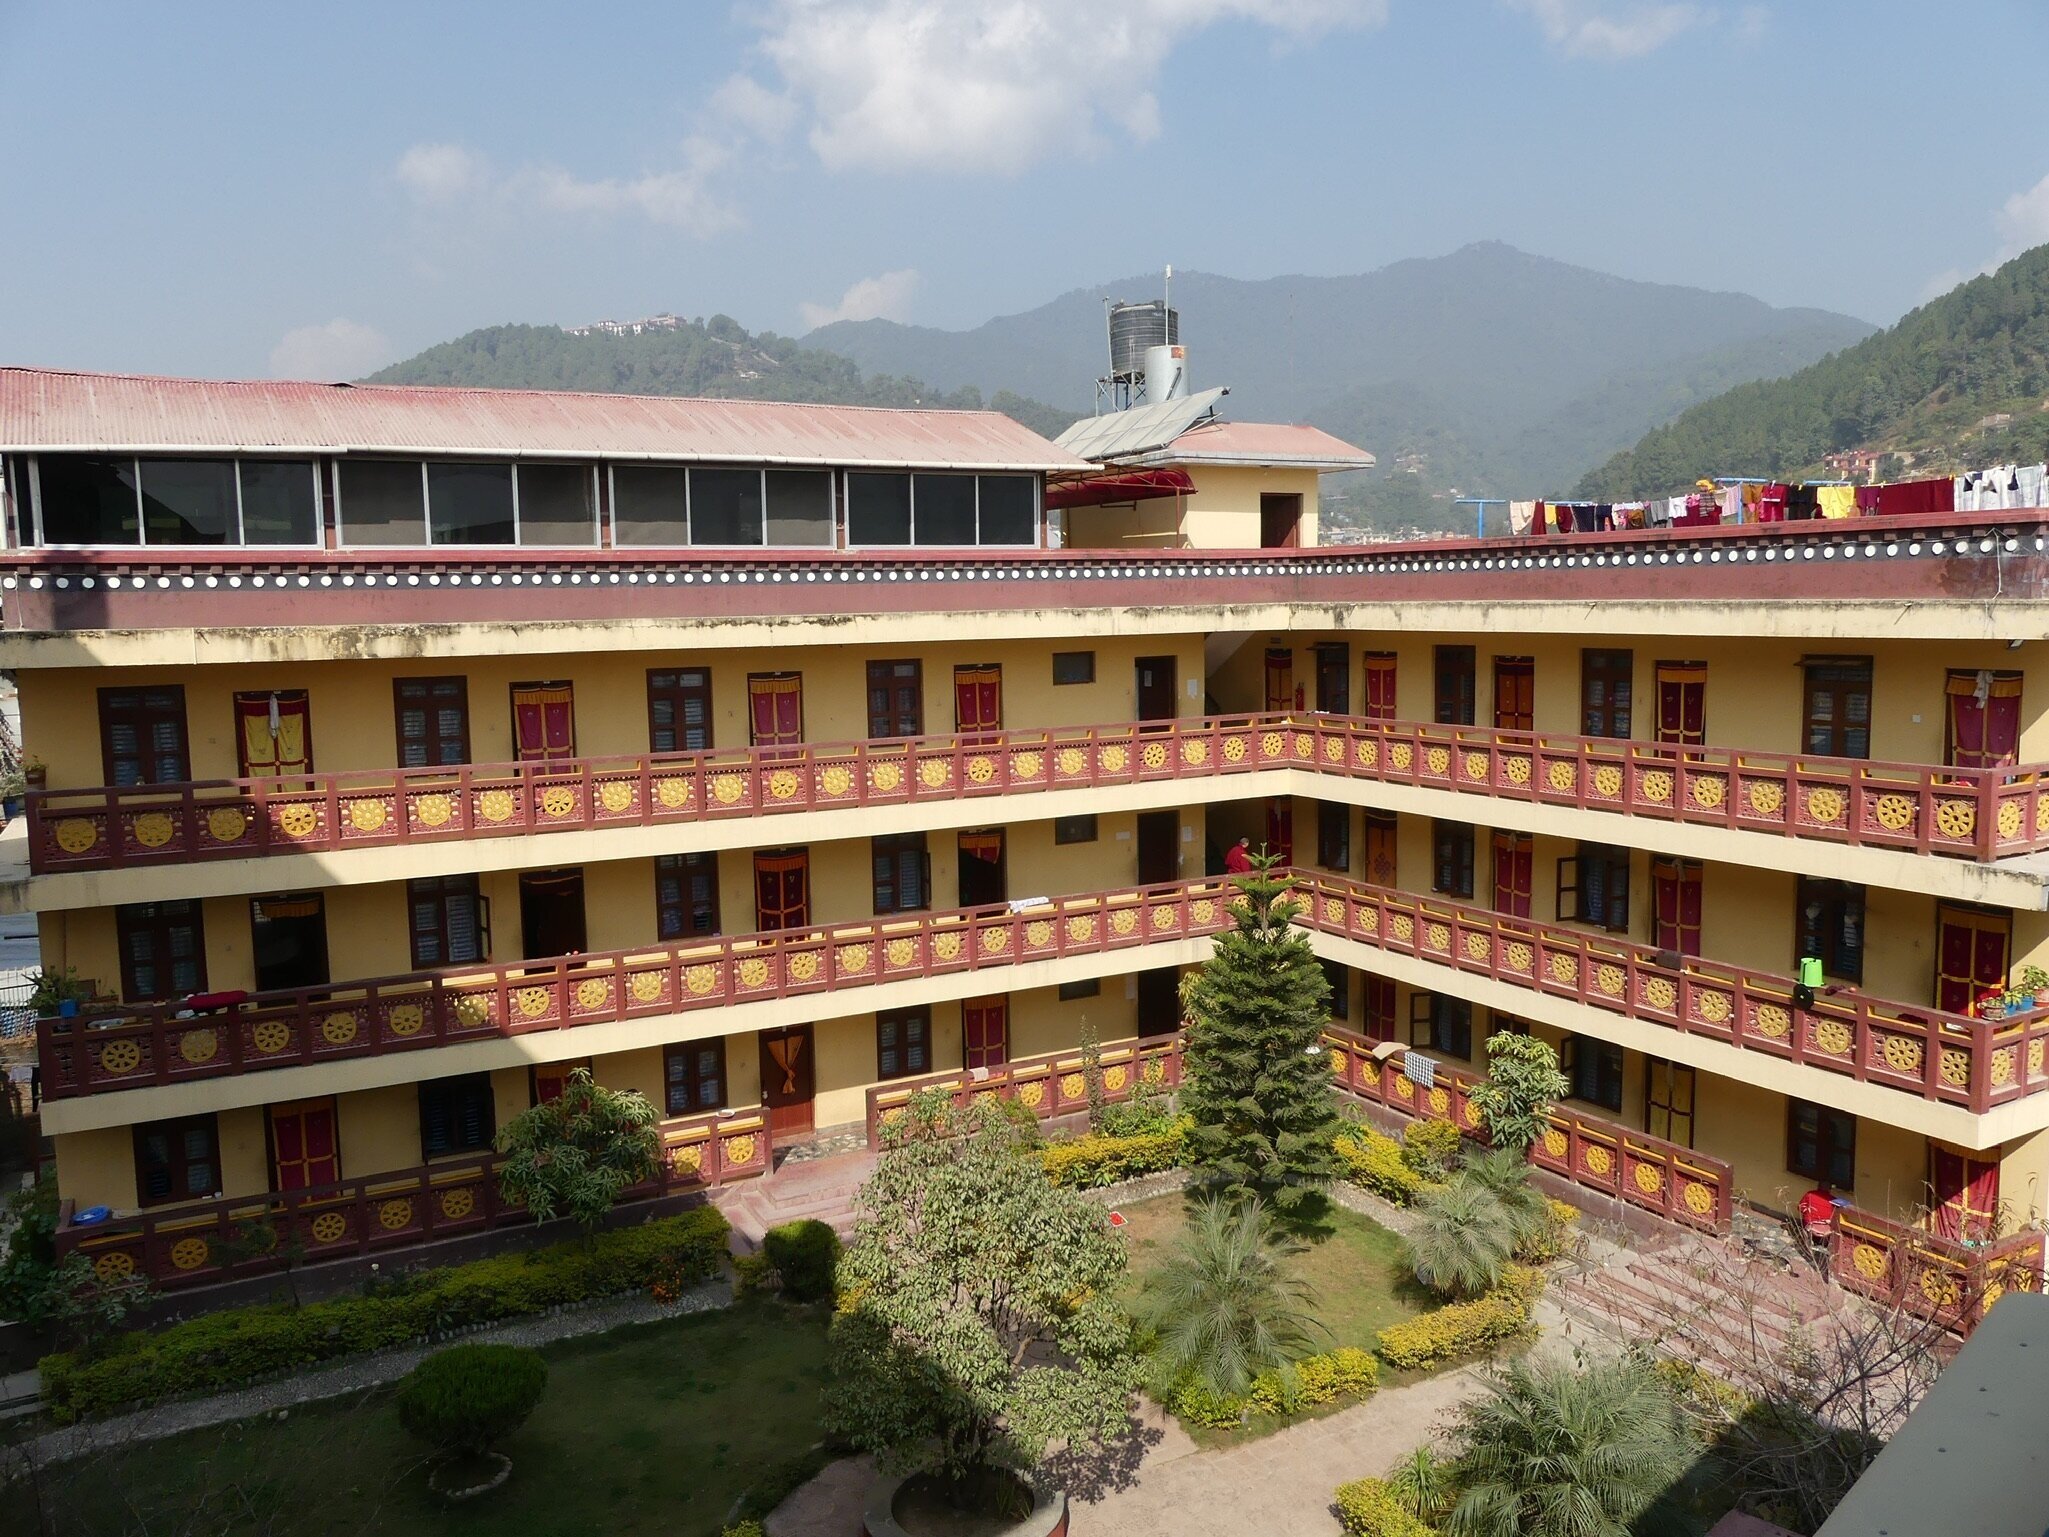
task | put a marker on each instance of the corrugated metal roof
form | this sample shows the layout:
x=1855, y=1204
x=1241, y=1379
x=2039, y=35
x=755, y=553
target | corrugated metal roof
x=1263, y=443
x=1117, y=435
x=43, y=409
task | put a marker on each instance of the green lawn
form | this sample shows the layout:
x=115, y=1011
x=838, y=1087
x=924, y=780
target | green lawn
x=657, y=1429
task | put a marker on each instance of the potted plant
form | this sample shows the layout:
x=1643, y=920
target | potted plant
x=54, y=993
x=1992, y=1004
x=34, y=773
x=2035, y=983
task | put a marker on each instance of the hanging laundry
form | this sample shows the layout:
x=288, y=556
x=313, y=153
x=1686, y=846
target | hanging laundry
x=1771, y=503
x=1522, y=516
x=1837, y=501
x=1732, y=504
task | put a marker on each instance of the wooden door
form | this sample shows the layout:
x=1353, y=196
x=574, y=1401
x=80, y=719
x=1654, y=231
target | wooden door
x=978, y=698
x=1380, y=680
x=985, y=1032
x=1334, y=679
x=1682, y=703
x=304, y=1151
x=1971, y=948
x=1675, y=905
x=1836, y=706
x=981, y=868
x=782, y=890
x=273, y=733
x=1515, y=693
x=1965, y=1187
x=896, y=699
x=1280, y=828
x=1514, y=855
x=1280, y=520
x=1280, y=679
x=1455, y=688
x=543, y=722
x=775, y=709
x=1159, y=1001
x=1981, y=719
x=1154, y=687
x=1159, y=851
x=551, y=914
x=787, y=1082
x=1381, y=866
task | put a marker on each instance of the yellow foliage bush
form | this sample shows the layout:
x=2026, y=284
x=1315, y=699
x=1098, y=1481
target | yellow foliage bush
x=1464, y=1328
x=1368, y=1508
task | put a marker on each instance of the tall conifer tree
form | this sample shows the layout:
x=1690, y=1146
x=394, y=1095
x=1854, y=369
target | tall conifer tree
x=1257, y=1080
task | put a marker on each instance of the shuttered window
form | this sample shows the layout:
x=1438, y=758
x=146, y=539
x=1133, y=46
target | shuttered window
x=457, y=1115
x=903, y=1044
x=447, y=921
x=686, y=895
x=142, y=736
x=679, y=710
x=433, y=721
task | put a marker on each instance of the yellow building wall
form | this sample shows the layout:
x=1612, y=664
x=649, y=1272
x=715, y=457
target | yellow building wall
x=1221, y=513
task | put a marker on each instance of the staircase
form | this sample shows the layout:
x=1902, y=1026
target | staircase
x=821, y=1188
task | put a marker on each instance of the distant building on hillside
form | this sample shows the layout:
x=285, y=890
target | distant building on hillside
x=1854, y=463
x=662, y=322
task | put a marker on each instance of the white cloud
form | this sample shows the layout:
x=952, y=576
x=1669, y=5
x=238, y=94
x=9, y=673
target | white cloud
x=440, y=173
x=2021, y=223
x=685, y=198
x=1610, y=29
x=340, y=349
x=745, y=103
x=995, y=86
x=886, y=296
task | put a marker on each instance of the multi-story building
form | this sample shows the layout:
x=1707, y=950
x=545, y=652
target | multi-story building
x=406, y=749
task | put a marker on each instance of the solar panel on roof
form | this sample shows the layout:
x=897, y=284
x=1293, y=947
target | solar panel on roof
x=1119, y=434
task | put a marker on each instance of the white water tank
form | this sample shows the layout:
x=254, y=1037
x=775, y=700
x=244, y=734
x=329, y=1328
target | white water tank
x=1166, y=372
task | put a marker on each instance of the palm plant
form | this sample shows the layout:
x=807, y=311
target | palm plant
x=1422, y=1483
x=1464, y=1237
x=1562, y=1451
x=1506, y=1173
x=1223, y=1304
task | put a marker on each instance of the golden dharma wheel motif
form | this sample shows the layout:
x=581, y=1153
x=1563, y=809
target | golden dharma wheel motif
x=1771, y=1020
x=226, y=824
x=1469, y=1113
x=1401, y=755
x=1114, y=1079
x=1607, y=781
x=616, y=796
x=1304, y=745
x=2042, y=814
x=558, y=801
x=1825, y=805
x=338, y=1028
x=74, y=835
x=1404, y=1089
x=886, y=777
x=1518, y=956
x=1598, y=1160
x=1073, y=1086
x=189, y=1253
x=1204, y=910
x=1516, y=770
x=1956, y=819
x=405, y=1019
x=1894, y=812
x=367, y=815
x=2010, y=819
x=740, y=1149
x=1650, y=1179
x=900, y=952
x=153, y=829
x=1561, y=774
x=532, y=1002
x=1032, y=1094
x=728, y=789
x=1954, y=1064
x=689, y=1159
x=1081, y=928
x=836, y=779
x=1234, y=749
x=1708, y=791
x=433, y=810
x=672, y=794
x=853, y=959
x=1027, y=765
x=1164, y=919
x=197, y=1046
x=645, y=986
x=1474, y=766
x=933, y=773
x=783, y=785
x=1068, y=762
x=458, y=1203
x=946, y=947
x=1765, y=797
x=593, y=993
x=471, y=1010
x=118, y=1057
x=1333, y=749
x=1564, y=967
x=1554, y=1142
x=1334, y=910
x=271, y=1036
x=1437, y=760
x=1659, y=993
x=1272, y=744
x=753, y=972
x=1113, y=759
x=1440, y=1102
x=395, y=1213
x=1123, y=921
x=1715, y=1008
x=1941, y=1288
x=1154, y=755
x=1656, y=787
x=1195, y=752
x=1436, y=936
x=996, y=941
x=1366, y=754
x=803, y=966
x=2002, y=1066
x=114, y=1267
x=1402, y=926
x=494, y=805
x=1833, y=1037
x=1609, y=980
x=298, y=820
x=1038, y=933
x=1698, y=1198
x=1868, y=1260
x=1478, y=945
x=2036, y=1049
x=1903, y=1054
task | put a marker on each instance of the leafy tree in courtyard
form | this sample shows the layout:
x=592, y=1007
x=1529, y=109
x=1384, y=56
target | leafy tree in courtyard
x=1522, y=1083
x=1559, y=1450
x=1257, y=1080
x=575, y=1154
x=1222, y=1302
x=977, y=1317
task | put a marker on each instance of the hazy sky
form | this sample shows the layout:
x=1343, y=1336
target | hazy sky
x=318, y=189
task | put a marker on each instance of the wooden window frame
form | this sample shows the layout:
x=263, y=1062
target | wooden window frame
x=1435, y=1023
x=1339, y=977
x=135, y=918
x=145, y=756
x=1068, y=830
x=899, y=849
x=683, y=868
x=1613, y=858
x=1086, y=987
x=676, y=694
x=1333, y=660
x=1839, y=725
x=1594, y=1070
x=1455, y=689
x=465, y=1085
x=441, y=885
x=177, y=1165
x=429, y=734
x=1660, y=1073
x=1827, y=1123
x=883, y=674
x=1080, y=665
x=694, y=1079
x=1334, y=836
x=1611, y=666
x=916, y=1027
x=1453, y=855
x=1833, y=897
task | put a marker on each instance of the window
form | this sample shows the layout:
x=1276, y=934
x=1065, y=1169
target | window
x=1593, y=887
x=142, y=735
x=189, y=501
x=1333, y=836
x=449, y=923
x=1836, y=706
x=930, y=509
x=719, y=506
x=382, y=501
x=1080, y=829
x=903, y=1044
x=694, y=1076
x=686, y=895
x=725, y=507
x=1668, y=1101
x=1380, y=680
x=433, y=721
x=1454, y=686
x=1821, y=1144
x=1831, y=925
x=1441, y=1023
x=679, y=709
x=1074, y=667
x=1379, y=1019
x=89, y=501
x=1675, y=905
x=1606, y=687
x=902, y=869
x=1339, y=976
x=163, y=950
x=457, y=1115
x=1594, y=1069
x=557, y=505
x=896, y=699
x=1088, y=987
x=650, y=505
x=799, y=508
x=177, y=1160
x=1452, y=865
x=469, y=503
x=878, y=509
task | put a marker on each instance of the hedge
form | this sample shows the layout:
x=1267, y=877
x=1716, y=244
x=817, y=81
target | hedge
x=1463, y=1328
x=1313, y=1381
x=227, y=1349
x=804, y=1255
x=1367, y=1508
x=1096, y=1160
x=1374, y=1160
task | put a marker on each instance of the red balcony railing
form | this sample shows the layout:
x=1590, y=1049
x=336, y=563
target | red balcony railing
x=1953, y=1283
x=1050, y=1086
x=1963, y=813
x=217, y=1240
x=168, y=1043
x=1940, y=1056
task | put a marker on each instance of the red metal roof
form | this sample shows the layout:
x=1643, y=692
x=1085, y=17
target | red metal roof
x=1265, y=443
x=1132, y=486
x=42, y=409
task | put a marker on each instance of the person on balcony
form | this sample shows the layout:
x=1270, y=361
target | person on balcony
x=1238, y=858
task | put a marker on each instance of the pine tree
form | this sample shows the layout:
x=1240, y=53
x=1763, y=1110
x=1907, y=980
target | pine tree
x=1257, y=1080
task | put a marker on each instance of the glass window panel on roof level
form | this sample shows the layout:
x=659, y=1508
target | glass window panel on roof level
x=878, y=508
x=382, y=502
x=725, y=507
x=555, y=505
x=647, y=505
x=1008, y=507
x=799, y=509
x=189, y=501
x=87, y=501
x=945, y=508
x=279, y=502
x=470, y=503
